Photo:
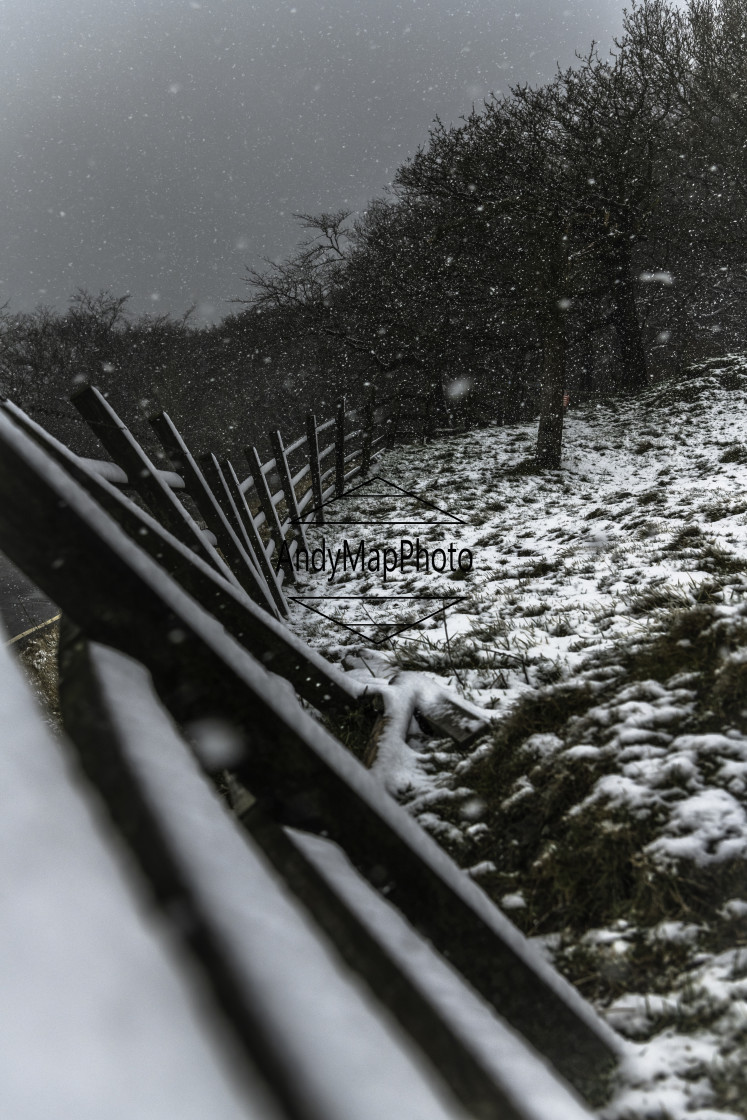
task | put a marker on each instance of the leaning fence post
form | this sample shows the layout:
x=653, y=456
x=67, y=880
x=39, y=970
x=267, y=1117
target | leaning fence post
x=249, y=530
x=206, y=497
x=392, y=423
x=316, y=472
x=271, y=515
x=340, y=448
x=216, y=474
x=368, y=430
x=284, y=474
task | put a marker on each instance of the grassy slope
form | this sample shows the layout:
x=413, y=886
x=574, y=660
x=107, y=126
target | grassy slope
x=606, y=627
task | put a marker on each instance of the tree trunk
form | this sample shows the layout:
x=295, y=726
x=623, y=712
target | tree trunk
x=550, y=432
x=436, y=414
x=625, y=318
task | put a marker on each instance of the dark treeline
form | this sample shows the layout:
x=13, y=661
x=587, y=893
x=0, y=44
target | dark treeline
x=590, y=234
x=224, y=386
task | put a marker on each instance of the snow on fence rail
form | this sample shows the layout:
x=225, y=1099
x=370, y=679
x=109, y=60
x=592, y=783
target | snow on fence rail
x=354, y=967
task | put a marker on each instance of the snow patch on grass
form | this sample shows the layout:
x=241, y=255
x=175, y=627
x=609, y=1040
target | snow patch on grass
x=604, y=628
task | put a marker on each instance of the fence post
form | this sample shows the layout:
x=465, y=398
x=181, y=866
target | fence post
x=249, y=531
x=368, y=430
x=208, y=466
x=340, y=448
x=216, y=477
x=316, y=473
x=392, y=425
x=271, y=514
x=206, y=497
x=283, y=469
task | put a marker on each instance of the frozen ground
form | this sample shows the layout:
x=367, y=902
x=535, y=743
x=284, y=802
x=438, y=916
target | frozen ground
x=604, y=627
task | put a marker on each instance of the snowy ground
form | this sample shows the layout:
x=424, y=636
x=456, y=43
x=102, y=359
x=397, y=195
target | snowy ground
x=604, y=627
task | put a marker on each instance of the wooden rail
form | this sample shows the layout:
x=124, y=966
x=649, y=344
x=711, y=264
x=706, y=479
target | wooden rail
x=333, y=935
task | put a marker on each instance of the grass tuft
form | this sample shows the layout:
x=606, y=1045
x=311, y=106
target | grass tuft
x=737, y=453
x=38, y=659
x=580, y=854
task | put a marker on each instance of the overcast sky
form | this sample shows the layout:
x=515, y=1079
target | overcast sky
x=158, y=146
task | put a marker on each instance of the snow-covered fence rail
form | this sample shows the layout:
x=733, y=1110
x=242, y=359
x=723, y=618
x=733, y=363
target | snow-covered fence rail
x=284, y=927
x=98, y=1002
x=323, y=1046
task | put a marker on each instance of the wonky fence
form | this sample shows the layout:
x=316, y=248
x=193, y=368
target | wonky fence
x=354, y=969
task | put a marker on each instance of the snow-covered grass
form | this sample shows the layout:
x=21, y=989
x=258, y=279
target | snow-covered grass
x=604, y=628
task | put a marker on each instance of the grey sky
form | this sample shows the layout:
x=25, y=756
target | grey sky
x=156, y=146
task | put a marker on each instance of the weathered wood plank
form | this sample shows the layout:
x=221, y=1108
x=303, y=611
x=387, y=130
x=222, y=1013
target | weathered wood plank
x=289, y=490
x=240, y=556
x=487, y=1067
x=269, y=510
x=368, y=431
x=92, y=984
x=208, y=463
x=226, y=480
x=297, y=443
x=143, y=476
x=312, y=445
x=340, y=447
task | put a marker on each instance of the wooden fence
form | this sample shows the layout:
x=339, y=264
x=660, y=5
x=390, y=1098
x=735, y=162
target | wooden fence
x=357, y=970
x=254, y=520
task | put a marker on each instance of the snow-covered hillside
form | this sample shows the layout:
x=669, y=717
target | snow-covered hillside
x=603, y=626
